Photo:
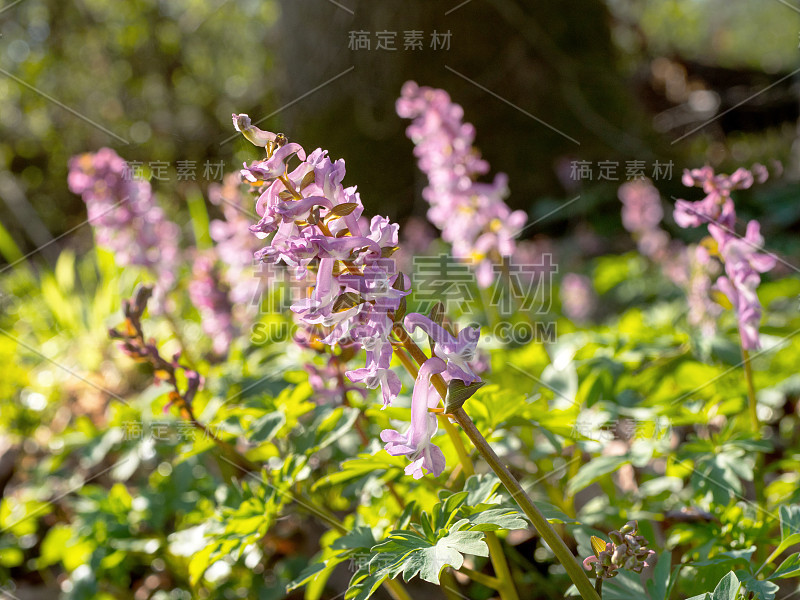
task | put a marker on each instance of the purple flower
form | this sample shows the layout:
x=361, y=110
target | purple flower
x=125, y=216
x=458, y=352
x=741, y=257
x=314, y=226
x=578, y=299
x=377, y=373
x=415, y=443
x=717, y=206
x=210, y=297
x=743, y=264
x=243, y=125
x=641, y=206
x=472, y=216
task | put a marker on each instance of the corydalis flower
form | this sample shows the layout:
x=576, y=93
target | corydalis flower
x=743, y=266
x=125, y=216
x=717, y=206
x=458, y=351
x=472, y=216
x=313, y=225
x=416, y=443
x=209, y=294
x=642, y=214
x=355, y=295
x=741, y=256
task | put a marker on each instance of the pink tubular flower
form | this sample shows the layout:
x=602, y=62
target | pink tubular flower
x=472, y=216
x=743, y=266
x=642, y=214
x=741, y=256
x=355, y=294
x=210, y=297
x=125, y=216
x=415, y=443
x=458, y=352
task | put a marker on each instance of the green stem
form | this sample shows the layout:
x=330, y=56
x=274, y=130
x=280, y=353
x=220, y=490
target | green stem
x=396, y=590
x=501, y=569
x=482, y=578
x=752, y=403
x=776, y=553
x=546, y=531
x=450, y=586
x=751, y=391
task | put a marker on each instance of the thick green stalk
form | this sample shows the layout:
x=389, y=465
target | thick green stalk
x=483, y=579
x=396, y=590
x=752, y=403
x=546, y=531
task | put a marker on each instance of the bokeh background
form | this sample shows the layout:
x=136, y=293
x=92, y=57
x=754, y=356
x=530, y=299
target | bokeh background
x=612, y=81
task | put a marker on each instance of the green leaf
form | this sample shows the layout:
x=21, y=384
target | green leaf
x=199, y=218
x=553, y=514
x=363, y=584
x=626, y=585
x=731, y=556
x=265, y=428
x=360, y=537
x=497, y=518
x=788, y=568
x=363, y=466
x=481, y=489
x=444, y=512
x=763, y=590
x=316, y=587
x=790, y=520
x=405, y=517
x=727, y=588
x=331, y=425
x=658, y=586
x=306, y=575
x=8, y=247
x=415, y=555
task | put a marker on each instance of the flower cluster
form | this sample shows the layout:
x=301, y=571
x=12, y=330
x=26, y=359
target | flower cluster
x=578, y=299
x=703, y=271
x=471, y=215
x=741, y=257
x=642, y=214
x=626, y=550
x=313, y=225
x=210, y=296
x=689, y=267
x=125, y=215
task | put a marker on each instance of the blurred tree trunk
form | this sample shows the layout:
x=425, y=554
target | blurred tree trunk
x=553, y=62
